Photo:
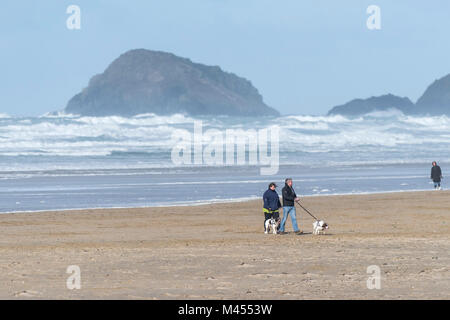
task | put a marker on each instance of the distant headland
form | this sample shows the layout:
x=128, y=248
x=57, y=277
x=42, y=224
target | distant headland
x=434, y=101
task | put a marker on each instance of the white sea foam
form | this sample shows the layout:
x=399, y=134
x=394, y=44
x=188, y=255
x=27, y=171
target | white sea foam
x=207, y=201
x=385, y=113
x=326, y=119
x=70, y=135
x=160, y=204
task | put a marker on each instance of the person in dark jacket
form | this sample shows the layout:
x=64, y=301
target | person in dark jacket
x=289, y=197
x=436, y=175
x=271, y=204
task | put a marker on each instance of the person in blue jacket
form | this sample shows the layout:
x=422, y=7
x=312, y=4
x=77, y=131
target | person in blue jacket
x=271, y=204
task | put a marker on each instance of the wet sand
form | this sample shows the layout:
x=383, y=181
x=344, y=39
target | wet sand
x=219, y=251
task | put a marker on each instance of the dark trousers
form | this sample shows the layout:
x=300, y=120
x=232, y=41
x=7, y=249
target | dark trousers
x=270, y=215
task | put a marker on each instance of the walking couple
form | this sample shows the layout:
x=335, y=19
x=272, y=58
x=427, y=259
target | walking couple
x=272, y=205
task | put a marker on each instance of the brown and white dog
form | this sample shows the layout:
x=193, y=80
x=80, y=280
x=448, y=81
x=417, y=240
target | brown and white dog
x=272, y=224
x=319, y=227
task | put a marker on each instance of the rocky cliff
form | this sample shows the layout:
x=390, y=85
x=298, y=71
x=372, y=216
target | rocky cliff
x=436, y=98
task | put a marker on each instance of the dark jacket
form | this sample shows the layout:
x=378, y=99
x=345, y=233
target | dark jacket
x=288, y=196
x=271, y=200
x=436, y=173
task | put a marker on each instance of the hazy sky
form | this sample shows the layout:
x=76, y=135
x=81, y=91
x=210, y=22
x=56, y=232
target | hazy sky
x=303, y=56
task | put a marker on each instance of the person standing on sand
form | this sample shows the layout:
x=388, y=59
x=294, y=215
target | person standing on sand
x=271, y=204
x=436, y=175
x=289, y=197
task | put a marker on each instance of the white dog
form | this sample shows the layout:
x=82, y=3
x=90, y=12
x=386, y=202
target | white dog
x=272, y=224
x=319, y=227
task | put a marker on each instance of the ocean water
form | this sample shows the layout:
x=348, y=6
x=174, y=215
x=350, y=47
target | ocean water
x=68, y=161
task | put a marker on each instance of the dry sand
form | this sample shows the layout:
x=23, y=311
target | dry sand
x=219, y=251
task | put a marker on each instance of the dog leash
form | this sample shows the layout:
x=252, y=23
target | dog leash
x=306, y=210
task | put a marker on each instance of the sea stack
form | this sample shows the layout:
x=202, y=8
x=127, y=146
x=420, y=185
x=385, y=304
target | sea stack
x=145, y=81
x=358, y=107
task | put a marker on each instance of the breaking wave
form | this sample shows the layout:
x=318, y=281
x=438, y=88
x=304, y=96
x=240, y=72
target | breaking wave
x=71, y=141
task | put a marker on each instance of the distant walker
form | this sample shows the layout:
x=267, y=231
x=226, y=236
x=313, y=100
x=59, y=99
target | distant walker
x=436, y=176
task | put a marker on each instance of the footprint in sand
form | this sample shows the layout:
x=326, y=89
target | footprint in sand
x=26, y=293
x=245, y=265
x=224, y=285
x=268, y=275
x=171, y=295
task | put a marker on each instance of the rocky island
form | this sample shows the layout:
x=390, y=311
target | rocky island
x=358, y=107
x=435, y=101
x=145, y=81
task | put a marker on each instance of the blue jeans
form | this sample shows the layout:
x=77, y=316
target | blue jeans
x=437, y=184
x=286, y=212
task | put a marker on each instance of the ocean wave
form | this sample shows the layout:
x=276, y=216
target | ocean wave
x=325, y=119
x=429, y=122
x=86, y=168
x=153, y=205
x=390, y=113
x=58, y=114
x=61, y=134
x=211, y=201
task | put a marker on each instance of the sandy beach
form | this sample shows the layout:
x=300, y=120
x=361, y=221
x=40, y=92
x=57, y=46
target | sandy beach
x=219, y=251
